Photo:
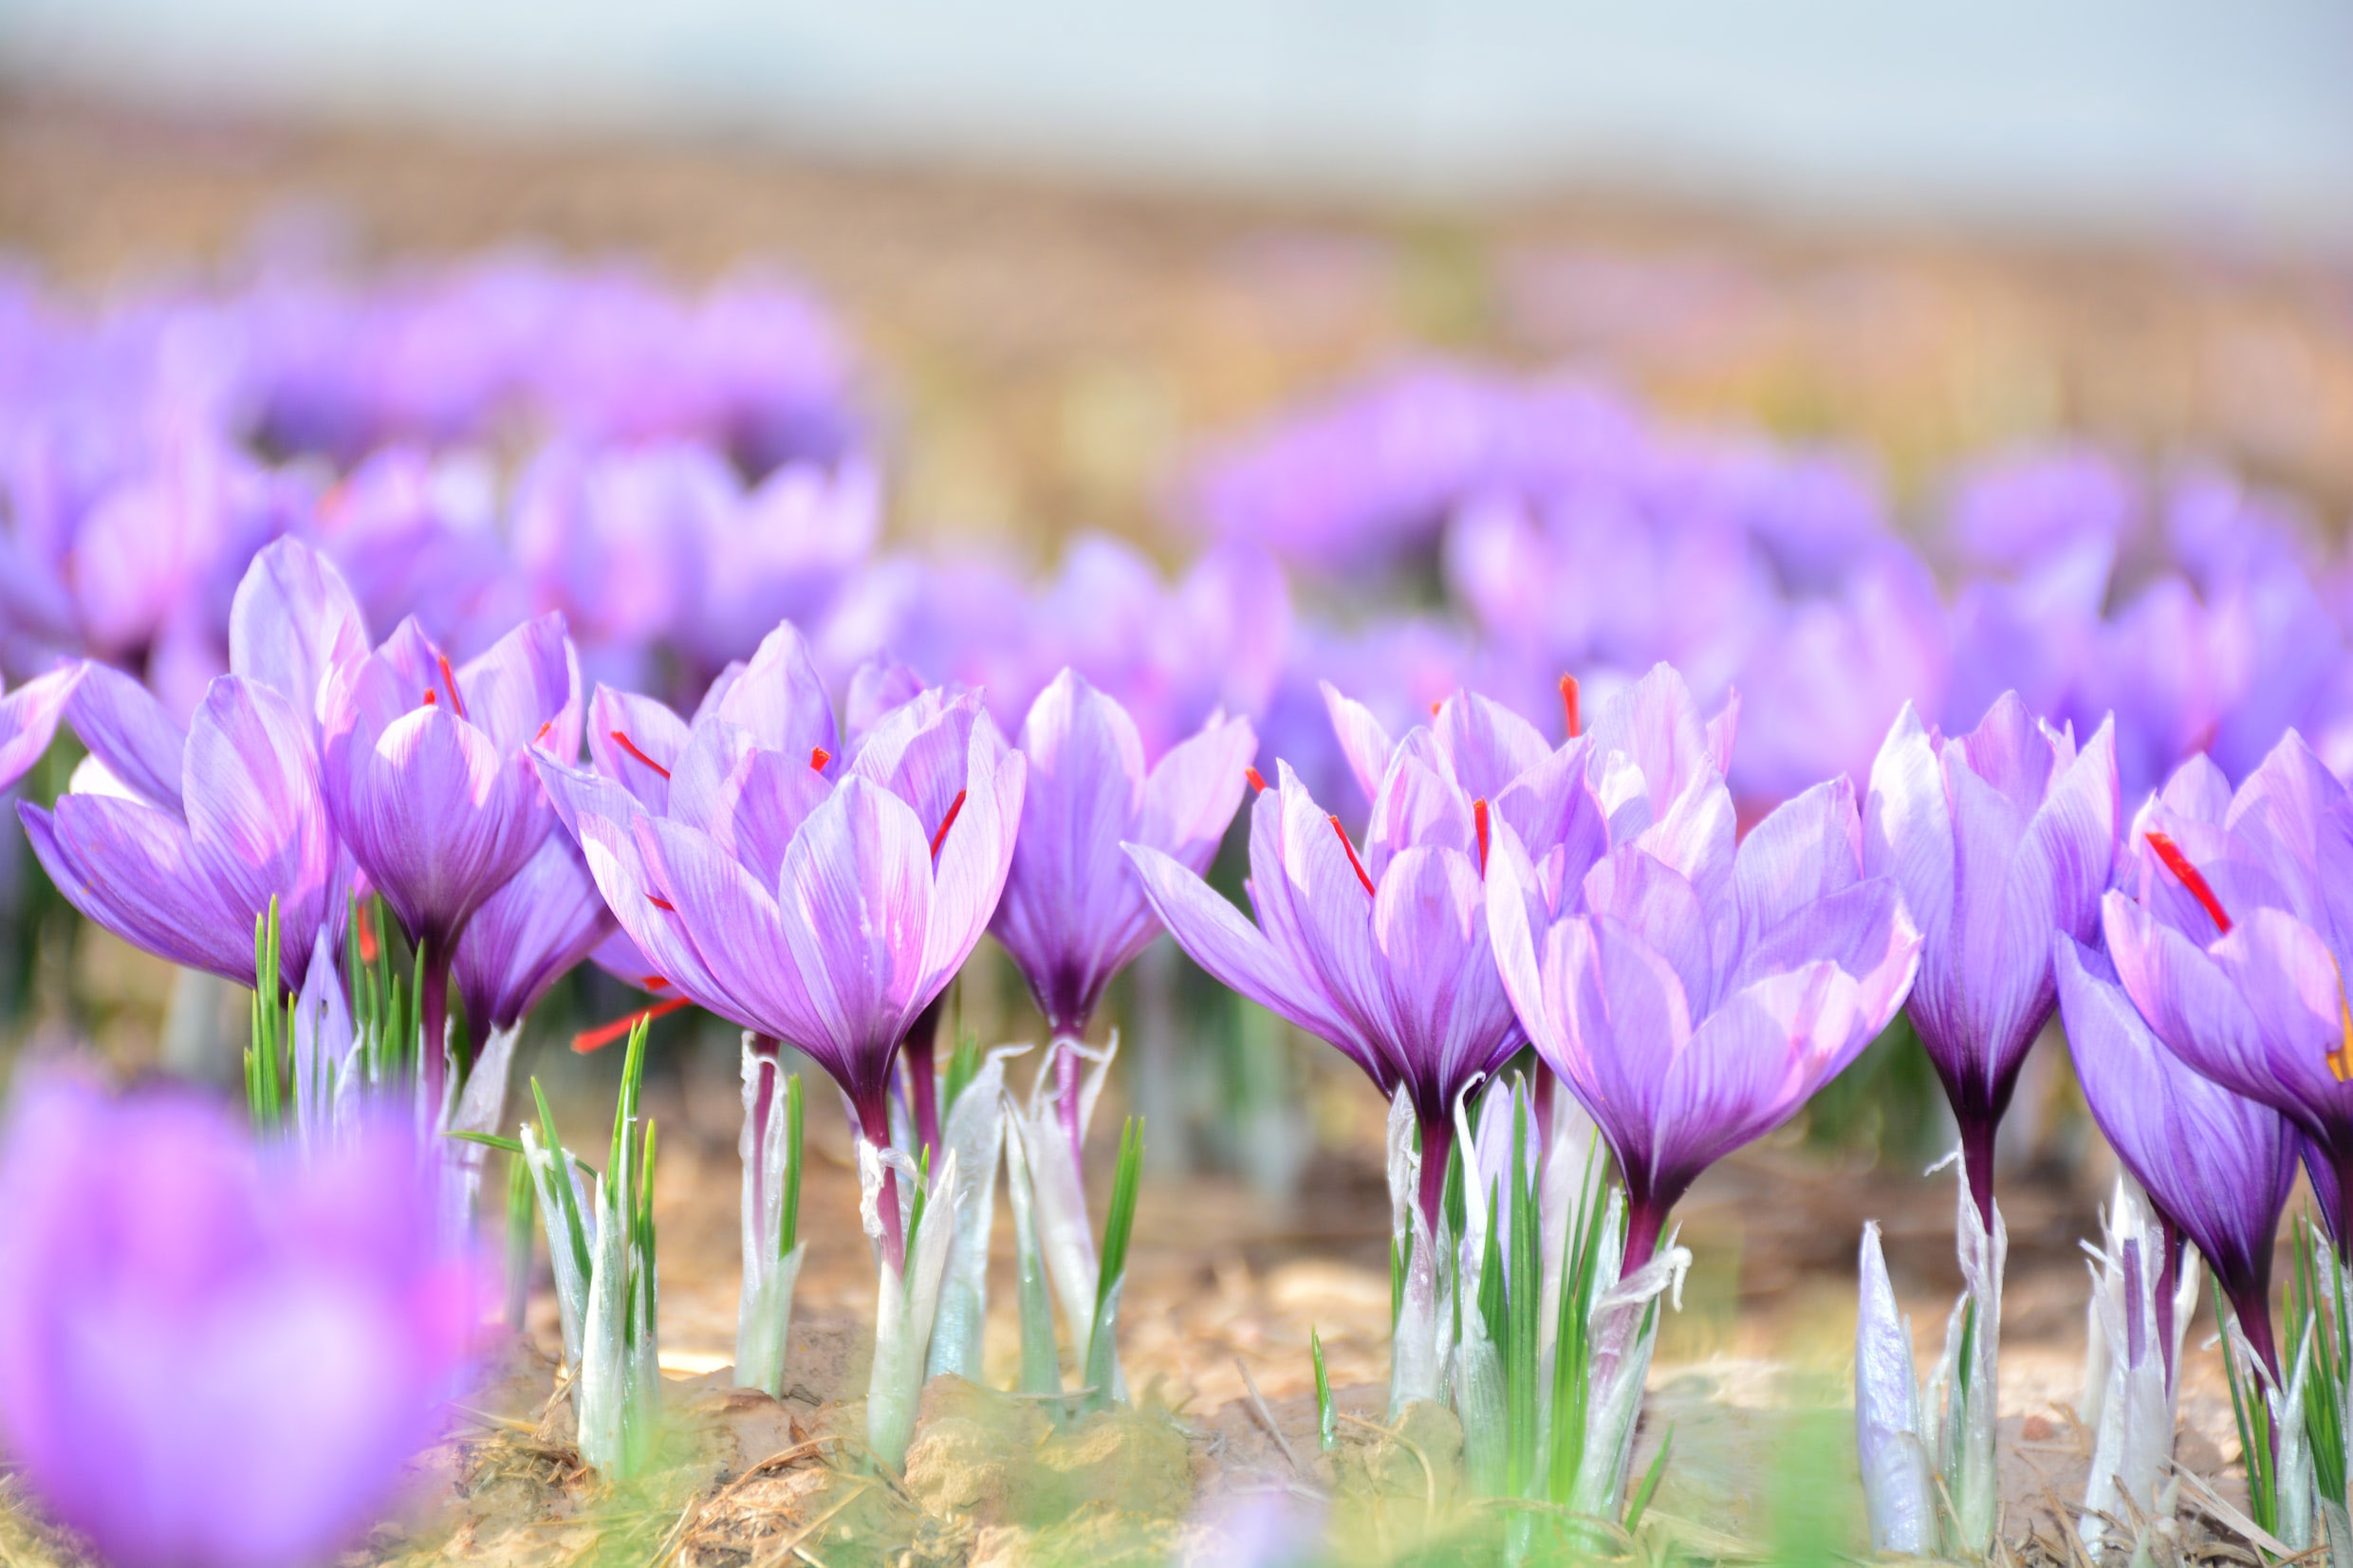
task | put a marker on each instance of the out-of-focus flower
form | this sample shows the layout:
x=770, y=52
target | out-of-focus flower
x=1073, y=914
x=210, y=1353
x=2010, y=515
x=1383, y=954
x=2217, y=1166
x=28, y=718
x=1999, y=839
x=178, y=842
x=1690, y=995
x=2231, y=941
x=820, y=914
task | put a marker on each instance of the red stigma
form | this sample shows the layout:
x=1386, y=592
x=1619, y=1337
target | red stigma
x=433, y=698
x=1353, y=861
x=543, y=731
x=2190, y=878
x=1435, y=707
x=1257, y=780
x=1478, y=820
x=946, y=822
x=818, y=757
x=368, y=939
x=631, y=746
x=604, y=1035
x=661, y=903
x=657, y=983
x=1568, y=702
x=458, y=703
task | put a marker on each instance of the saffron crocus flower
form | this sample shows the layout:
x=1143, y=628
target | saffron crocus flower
x=298, y=1309
x=28, y=718
x=823, y=914
x=528, y=935
x=2232, y=936
x=1073, y=914
x=2217, y=1166
x=1383, y=954
x=179, y=841
x=1692, y=996
x=1999, y=839
x=429, y=776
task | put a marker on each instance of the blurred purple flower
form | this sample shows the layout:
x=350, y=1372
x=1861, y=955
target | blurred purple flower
x=212, y=1354
x=528, y=934
x=2010, y=515
x=2218, y=1167
x=2230, y=939
x=1999, y=839
x=1693, y=996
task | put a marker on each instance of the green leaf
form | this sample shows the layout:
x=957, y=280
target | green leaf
x=1119, y=1226
x=1649, y=1488
x=573, y=1229
x=1327, y=1417
x=489, y=1140
x=789, y=1231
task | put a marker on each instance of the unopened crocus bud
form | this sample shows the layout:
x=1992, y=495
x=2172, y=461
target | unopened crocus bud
x=1896, y=1488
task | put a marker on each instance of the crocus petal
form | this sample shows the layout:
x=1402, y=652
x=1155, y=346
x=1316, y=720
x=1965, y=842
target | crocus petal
x=969, y=872
x=126, y=729
x=1656, y=903
x=1489, y=744
x=856, y=900
x=524, y=691
x=2295, y=816
x=750, y=801
x=1416, y=806
x=617, y=862
x=133, y=869
x=28, y=718
x=255, y=813
x=293, y=620
x=528, y=933
x=1362, y=740
x=635, y=741
x=1447, y=1017
x=1749, y=1064
x=2010, y=750
x=779, y=696
x=735, y=926
x=1907, y=825
x=439, y=820
x=1655, y=724
x=1805, y=850
x=2192, y=1006
x=1214, y=935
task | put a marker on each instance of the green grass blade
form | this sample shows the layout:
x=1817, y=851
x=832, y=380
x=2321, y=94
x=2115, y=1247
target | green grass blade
x=1326, y=1416
x=1119, y=1226
x=789, y=1231
x=1649, y=1488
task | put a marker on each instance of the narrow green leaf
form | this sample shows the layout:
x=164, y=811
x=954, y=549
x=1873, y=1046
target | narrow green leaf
x=1119, y=1226
x=488, y=1140
x=577, y=1231
x=1649, y=1487
x=1326, y=1416
x=789, y=1231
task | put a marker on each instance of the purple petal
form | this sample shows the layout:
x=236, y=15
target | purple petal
x=254, y=810
x=28, y=718
x=780, y=698
x=1362, y=740
x=530, y=933
x=635, y=741
x=1907, y=825
x=128, y=730
x=1807, y=849
x=133, y=869
x=1489, y=744
x=2012, y=750
x=750, y=801
x=1447, y=1017
x=524, y=692
x=1749, y=1064
x=970, y=870
x=439, y=820
x=293, y=620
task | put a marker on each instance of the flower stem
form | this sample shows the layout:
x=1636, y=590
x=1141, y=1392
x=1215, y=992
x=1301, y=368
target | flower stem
x=922, y=1050
x=874, y=1120
x=764, y=1097
x=1066, y=1097
x=1437, y=1147
x=433, y=1014
x=1645, y=1218
x=1977, y=1163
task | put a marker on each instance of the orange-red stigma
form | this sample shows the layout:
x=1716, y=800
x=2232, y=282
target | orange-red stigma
x=1257, y=780
x=542, y=736
x=1568, y=703
x=661, y=903
x=818, y=757
x=1478, y=820
x=946, y=822
x=631, y=746
x=604, y=1035
x=1353, y=861
x=433, y=698
x=2190, y=878
x=458, y=703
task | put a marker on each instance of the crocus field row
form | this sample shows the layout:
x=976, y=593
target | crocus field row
x=399, y=745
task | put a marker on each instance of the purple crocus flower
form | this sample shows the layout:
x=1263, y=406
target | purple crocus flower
x=1693, y=996
x=1384, y=954
x=28, y=718
x=825, y=914
x=1999, y=839
x=177, y=841
x=1073, y=914
x=298, y=1312
x=2230, y=939
x=429, y=775
x=528, y=934
x=2217, y=1166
